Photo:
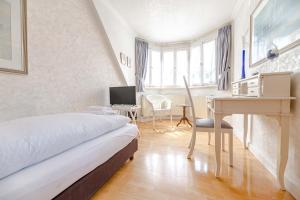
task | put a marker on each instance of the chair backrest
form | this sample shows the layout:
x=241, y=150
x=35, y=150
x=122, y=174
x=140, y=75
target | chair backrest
x=190, y=101
x=159, y=101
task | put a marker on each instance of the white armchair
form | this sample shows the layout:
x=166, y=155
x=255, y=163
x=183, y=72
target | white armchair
x=160, y=105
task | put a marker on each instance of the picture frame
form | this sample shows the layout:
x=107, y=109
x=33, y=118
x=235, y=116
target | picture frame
x=13, y=36
x=271, y=26
x=128, y=62
x=123, y=59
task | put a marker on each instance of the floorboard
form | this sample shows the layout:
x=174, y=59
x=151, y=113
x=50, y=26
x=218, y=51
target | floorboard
x=160, y=170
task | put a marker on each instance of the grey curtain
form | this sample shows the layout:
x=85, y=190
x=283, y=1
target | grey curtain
x=141, y=59
x=223, y=57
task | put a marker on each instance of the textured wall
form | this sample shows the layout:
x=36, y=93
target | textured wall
x=71, y=64
x=265, y=129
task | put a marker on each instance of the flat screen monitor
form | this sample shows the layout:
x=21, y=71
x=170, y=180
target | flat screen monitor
x=122, y=95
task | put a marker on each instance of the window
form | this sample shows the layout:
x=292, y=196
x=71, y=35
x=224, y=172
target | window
x=181, y=66
x=209, y=62
x=166, y=67
x=195, y=77
x=148, y=72
x=155, y=68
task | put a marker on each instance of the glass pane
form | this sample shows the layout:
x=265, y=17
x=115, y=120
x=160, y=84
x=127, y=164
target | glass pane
x=168, y=68
x=209, y=62
x=181, y=66
x=147, y=79
x=195, y=70
x=156, y=68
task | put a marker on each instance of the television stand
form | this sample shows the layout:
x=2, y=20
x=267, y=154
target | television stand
x=128, y=109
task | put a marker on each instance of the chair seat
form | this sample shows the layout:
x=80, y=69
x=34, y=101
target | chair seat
x=210, y=123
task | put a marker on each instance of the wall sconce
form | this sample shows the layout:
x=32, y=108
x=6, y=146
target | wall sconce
x=273, y=52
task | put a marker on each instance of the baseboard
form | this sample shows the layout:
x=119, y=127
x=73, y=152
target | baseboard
x=292, y=187
x=261, y=158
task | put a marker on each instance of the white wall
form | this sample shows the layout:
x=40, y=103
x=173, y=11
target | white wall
x=265, y=129
x=121, y=36
x=71, y=64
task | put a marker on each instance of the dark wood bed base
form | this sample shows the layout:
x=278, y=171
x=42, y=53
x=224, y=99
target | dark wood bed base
x=88, y=185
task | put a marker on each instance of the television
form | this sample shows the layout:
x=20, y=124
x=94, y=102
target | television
x=122, y=95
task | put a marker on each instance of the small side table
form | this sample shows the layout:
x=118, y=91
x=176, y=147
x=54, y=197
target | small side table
x=131, y=109
x=184, y=118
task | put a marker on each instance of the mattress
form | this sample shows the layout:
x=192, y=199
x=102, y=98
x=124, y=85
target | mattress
x=30, y=140
x=47, y=179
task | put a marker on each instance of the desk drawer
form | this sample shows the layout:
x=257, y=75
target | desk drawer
x=252, y=83
x=253, y=92
x=235, y=85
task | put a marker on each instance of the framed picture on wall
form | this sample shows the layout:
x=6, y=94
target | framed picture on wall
x=123, y=59
x=128, y=61
x=13, y=36
x=274, y=24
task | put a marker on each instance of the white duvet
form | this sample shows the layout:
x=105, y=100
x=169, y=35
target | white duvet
x=27, y=141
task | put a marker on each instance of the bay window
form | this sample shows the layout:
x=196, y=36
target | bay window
x=167, y=66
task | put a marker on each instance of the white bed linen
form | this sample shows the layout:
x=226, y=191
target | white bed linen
x=30, y=140
x=47, y=179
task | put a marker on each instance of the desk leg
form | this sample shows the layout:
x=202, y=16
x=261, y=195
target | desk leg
x=250, y=133
x=209, y=116
x=245, y=130
x=283, y=149
x=218, y=120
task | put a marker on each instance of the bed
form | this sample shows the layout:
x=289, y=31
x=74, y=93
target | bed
x=74, y=170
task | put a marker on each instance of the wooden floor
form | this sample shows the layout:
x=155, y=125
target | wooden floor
x=161, y=171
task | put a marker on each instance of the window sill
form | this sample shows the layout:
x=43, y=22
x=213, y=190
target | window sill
x=176, y=88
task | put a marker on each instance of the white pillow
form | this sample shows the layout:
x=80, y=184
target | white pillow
x=101, y=110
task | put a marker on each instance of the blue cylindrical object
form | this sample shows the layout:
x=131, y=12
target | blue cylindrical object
x=243, y=64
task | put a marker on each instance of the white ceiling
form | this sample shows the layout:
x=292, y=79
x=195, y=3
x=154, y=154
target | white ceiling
x=174, y=20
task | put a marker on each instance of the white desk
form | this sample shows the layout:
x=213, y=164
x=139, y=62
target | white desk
x=278, y=107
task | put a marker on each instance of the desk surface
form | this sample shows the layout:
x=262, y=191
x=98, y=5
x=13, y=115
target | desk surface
x=183, y=105
x=239, y=98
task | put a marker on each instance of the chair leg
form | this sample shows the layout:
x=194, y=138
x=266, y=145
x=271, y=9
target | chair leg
x=230, y=149
x=171, y=118
x=192, y=145
x=153, y=121
x=209, y=138
x=223, y=141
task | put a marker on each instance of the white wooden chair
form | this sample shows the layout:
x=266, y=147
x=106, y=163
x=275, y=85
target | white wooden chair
x=160, y=105
x=207, y=125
